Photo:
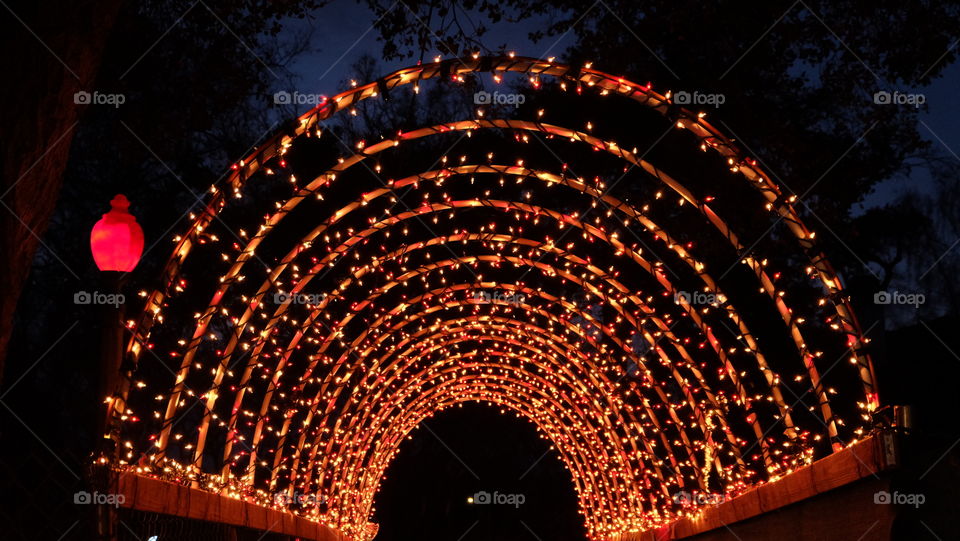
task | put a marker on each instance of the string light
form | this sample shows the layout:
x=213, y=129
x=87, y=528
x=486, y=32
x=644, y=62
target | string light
x=638, y=391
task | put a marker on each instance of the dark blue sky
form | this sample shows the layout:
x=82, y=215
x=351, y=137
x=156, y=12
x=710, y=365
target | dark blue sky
x=345, y=34
x=342, y=33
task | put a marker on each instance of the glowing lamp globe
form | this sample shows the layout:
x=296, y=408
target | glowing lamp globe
x=117, y=239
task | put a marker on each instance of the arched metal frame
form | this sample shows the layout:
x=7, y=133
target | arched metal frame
x=618, y=438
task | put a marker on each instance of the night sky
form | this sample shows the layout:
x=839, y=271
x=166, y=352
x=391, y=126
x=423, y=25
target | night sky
x=338, y=40
x=438, y=485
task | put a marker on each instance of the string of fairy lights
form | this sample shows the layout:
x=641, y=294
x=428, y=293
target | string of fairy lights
x=476, y=279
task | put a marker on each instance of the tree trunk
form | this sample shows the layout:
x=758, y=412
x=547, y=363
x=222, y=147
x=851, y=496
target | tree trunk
x=51, y=50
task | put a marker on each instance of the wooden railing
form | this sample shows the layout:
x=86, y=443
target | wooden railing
x=868, y=457
x=163, y=497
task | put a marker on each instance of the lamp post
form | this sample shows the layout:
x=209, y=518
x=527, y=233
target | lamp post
x=116, y=242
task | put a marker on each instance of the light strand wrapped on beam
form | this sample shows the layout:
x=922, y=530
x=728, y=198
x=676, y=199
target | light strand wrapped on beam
x=648, y=392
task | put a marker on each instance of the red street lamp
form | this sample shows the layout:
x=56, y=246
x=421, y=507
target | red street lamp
x=117, y=244
x=117, y=239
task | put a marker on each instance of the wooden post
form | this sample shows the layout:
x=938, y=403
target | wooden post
x=111, y=356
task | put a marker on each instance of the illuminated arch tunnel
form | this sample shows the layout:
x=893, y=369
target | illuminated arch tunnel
x=519, y=256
